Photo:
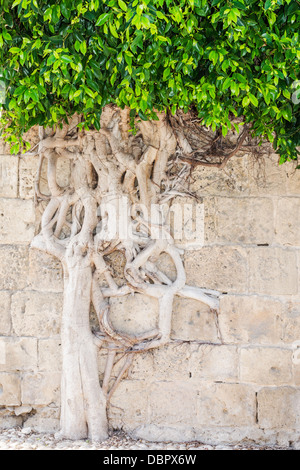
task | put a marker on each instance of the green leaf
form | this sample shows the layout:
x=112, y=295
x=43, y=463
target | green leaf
x=122, y=5
x=66, y=59
x=246, y=101
x=253, y=100
x=6, y=36
x=102, y=19
x=14, y=50
x=268, y=4
x=113, y=30
x=83, y=47
x=65, y=10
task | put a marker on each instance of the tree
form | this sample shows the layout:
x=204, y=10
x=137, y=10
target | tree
x=135, y=95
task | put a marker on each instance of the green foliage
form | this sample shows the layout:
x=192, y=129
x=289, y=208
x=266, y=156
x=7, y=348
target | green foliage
x=225, y=58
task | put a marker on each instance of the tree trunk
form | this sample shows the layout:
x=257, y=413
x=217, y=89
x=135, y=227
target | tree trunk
x=83, y=404
x=77, y=228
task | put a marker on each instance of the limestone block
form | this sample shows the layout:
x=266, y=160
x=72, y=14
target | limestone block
x=166, y=265
x=266, y=366
x=134, y=314
x=279, y=408
x=296, y=369
x=273, y=271
x=19, y=354
x=49, y=354
x=244, y=220
x=45, y=272
x=40, y=388
x=193, y=321
x=36, y=314
x=291, y=322
x=13, y=267
x=10, y=389
x=142, y=367
x=172, y=403
x=250, y=319
x=287, y=223
x=212, y=181
x=186, y=217
x=9, y=422
x=171, y=362
x=44, y=420
x=293, y=178
x=266, y=176
x=210, y=219
x=222, y=268
x=8, y=176
x=28, y=171
x=128, y=405
x=16, y=221
x=4, y=148
x=164, y=433
x=217, y=363
x=32, y=137
x=225, y=404
x=5, y=321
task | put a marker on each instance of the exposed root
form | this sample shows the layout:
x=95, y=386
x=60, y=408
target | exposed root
x=77, y=227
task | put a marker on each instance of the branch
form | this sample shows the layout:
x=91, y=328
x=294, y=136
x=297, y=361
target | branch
x=222, y=164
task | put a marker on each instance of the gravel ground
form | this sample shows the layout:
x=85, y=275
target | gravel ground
x=26, y=439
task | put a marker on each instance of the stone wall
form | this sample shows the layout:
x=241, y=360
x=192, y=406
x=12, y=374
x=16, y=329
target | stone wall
x=224, y=378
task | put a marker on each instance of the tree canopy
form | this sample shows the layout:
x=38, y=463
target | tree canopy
x=225, y=59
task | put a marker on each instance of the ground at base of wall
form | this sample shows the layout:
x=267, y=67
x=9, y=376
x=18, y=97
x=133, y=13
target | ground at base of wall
x=26, y=439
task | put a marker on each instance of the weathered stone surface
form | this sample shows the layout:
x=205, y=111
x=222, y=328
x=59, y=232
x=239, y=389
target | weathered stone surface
x=217, y=267
x=266, y=177
x=134, y=314
x=36, y=314
x=216, y=363
x=187, y=222
x=44, y=420
x=142, y=367
x=28, y=171
x=279, y=408
x=287, y=222
x=215, y=182
x=125, y=412
x=19, y=354
x=292, y=179
x=49, y=354
x=5, y=321
x=266, y=366
x=244, y=220
x=250, y=319
x=45, y=272
x=273, y=271
x=13, y=267
x=193, y=320
x=166, y=265
x=10, y=389
x=16, y=221
x=8, y=176
x=40, y=388
x=171, y=402
x=164, y=433
x=225, y=404
x=171, y=362
x=4, y=148
x=9, y=422
x=291, y=322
